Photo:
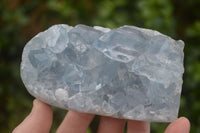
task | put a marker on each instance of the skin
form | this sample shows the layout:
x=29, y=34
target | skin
x=41, y=117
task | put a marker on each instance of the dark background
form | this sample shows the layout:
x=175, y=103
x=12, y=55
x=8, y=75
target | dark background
x=20, y=20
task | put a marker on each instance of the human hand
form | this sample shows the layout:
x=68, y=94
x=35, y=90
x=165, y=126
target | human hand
x=41, y=117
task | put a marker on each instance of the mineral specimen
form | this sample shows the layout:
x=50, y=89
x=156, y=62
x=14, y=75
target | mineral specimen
x=128, y=72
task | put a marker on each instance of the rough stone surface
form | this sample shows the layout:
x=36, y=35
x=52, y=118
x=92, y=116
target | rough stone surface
x=129, y=72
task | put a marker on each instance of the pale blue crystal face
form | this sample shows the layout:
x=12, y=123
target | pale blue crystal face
x=129, y=72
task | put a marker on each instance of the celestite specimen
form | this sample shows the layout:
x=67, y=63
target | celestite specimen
x=129, y=72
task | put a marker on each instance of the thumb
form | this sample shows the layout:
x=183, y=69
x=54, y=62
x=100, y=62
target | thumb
x=38, y=121
x=182, y=125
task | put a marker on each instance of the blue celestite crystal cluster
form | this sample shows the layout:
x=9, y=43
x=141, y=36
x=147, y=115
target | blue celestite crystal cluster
x=128, y=72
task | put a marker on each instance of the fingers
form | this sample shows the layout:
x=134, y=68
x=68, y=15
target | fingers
x=38, y=121
x=182, y=125
x=138, y=126
x=111, y=125
x=75, y=122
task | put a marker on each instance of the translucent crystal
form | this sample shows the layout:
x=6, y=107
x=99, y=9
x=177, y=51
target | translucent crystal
x=129, y=72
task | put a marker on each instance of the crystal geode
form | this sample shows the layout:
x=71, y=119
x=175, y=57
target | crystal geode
x=128, y=72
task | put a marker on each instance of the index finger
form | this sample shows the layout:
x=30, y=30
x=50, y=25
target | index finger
x=75, y=122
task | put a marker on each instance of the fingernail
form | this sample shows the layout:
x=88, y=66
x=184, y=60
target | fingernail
x=186, y=123
x=35, y=105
